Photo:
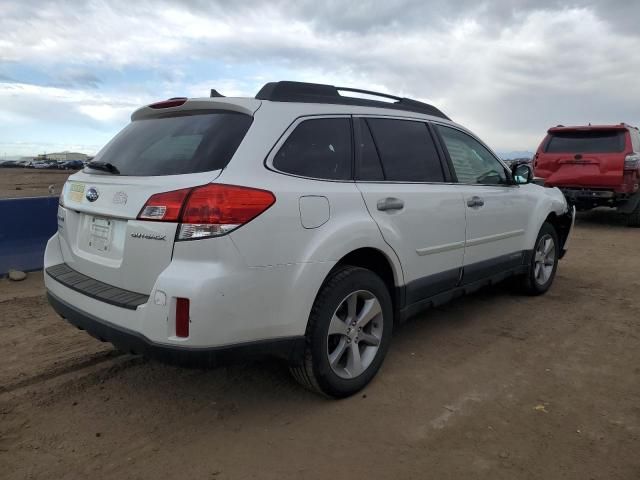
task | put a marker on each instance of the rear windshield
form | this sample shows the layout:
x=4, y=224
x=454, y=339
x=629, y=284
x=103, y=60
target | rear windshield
x=176, y=145
x=592, y=141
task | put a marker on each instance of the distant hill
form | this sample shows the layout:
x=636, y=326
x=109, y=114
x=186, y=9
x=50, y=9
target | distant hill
x=517, y=154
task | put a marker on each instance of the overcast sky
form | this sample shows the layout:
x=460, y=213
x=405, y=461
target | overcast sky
x=72, y=72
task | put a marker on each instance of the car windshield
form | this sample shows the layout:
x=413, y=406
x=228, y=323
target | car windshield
x=590, y=141
x=188, y=143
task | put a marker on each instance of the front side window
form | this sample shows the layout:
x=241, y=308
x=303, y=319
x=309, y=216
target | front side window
x=317, y=148
x=472, y=162
x=406, y=150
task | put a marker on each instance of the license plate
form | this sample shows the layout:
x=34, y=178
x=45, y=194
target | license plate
x=100, y=237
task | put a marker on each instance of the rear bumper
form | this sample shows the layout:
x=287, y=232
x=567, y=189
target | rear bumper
x=230, y=303
x=591, y=197
x=290, y=348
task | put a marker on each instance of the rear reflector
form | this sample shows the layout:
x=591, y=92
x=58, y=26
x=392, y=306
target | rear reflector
x=207, y=211
x=182, y=317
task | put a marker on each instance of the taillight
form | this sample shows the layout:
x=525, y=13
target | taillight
x=164, y=207
x=632, y=162
x=207, y=211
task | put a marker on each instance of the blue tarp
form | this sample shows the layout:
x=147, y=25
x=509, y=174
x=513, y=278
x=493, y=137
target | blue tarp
x=25, y=226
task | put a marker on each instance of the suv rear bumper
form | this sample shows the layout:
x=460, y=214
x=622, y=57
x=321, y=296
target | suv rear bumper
x=289, y=348
x=590, y=198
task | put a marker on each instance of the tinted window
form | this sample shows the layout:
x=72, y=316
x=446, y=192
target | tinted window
x=369, y=166
x=472, y=162
x=176, y=145
x=406, y=150
x=591, y=141
x=319, y=148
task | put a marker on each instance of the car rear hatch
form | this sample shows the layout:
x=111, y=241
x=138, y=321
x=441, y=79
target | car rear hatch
x=164, y=149
x=584, y=156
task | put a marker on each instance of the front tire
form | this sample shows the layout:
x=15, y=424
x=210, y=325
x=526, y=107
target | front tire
x=348, y=333
x=633, y=218
x=544, y=262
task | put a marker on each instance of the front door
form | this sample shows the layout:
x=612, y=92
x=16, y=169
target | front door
x=497, y=211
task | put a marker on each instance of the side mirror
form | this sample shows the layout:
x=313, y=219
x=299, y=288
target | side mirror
x=522, y=173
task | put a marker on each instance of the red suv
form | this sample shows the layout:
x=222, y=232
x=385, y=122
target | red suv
x=594, y=166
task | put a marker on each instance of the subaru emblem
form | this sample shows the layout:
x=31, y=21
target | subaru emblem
x=92, y=194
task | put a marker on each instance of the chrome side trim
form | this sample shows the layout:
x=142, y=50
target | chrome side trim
x=439, y=248
x=493, y=238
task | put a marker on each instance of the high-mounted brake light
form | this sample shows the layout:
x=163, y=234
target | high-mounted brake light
x=207, y=211
x=172, y=102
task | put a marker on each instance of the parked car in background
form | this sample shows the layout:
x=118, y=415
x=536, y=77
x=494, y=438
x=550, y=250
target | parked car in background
x=43, y=165
x=513, y=162
x=72, y=165
x=594, y=166
x=9, y=164
x=303, y=222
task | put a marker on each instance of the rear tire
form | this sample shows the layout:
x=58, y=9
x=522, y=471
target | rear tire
x=544, y=262
x=348, y=333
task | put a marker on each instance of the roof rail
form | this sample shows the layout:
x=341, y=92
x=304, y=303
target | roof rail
x=286, y=91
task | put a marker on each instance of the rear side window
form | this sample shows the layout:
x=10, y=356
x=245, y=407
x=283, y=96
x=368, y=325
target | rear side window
x=406, y=150
x=589, y=141
x=176, y=145
x=318, y=148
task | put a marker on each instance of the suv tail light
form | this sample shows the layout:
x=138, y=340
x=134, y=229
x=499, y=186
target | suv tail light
x=632, y=162
x=207, y=211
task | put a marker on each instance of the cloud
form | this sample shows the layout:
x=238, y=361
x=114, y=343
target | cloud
x=506, y=69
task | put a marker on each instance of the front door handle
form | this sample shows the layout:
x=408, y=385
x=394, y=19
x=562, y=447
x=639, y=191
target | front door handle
x=390, y=203
x=475, y=202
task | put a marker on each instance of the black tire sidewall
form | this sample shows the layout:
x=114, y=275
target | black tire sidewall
x=546, y=228
x=327, y=302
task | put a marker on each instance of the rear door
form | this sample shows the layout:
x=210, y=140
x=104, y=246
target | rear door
x=99, y=232
x=588, y=157
x=497, y=212
x=403, y=183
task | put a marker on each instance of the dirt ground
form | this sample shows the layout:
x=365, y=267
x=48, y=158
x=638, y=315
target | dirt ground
x=29, y=182
x=494, y=386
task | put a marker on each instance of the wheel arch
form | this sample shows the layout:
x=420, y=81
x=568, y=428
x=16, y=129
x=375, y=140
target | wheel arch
x=562, y=225
x=379, y=263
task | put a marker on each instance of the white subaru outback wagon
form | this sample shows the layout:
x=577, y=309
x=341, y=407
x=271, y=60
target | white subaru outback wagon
x=303, y=223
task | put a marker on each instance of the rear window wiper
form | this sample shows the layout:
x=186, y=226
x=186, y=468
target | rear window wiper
x=104, y=166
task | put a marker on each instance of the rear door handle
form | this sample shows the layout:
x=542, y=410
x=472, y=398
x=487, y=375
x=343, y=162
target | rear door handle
x=475, y=202
x=390, y=203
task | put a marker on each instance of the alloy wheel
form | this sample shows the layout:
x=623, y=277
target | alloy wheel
x=544, y=260
x=355, y=333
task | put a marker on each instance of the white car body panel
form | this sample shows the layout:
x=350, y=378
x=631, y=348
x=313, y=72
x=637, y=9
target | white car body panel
x=260, y=281
x=427, y=233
